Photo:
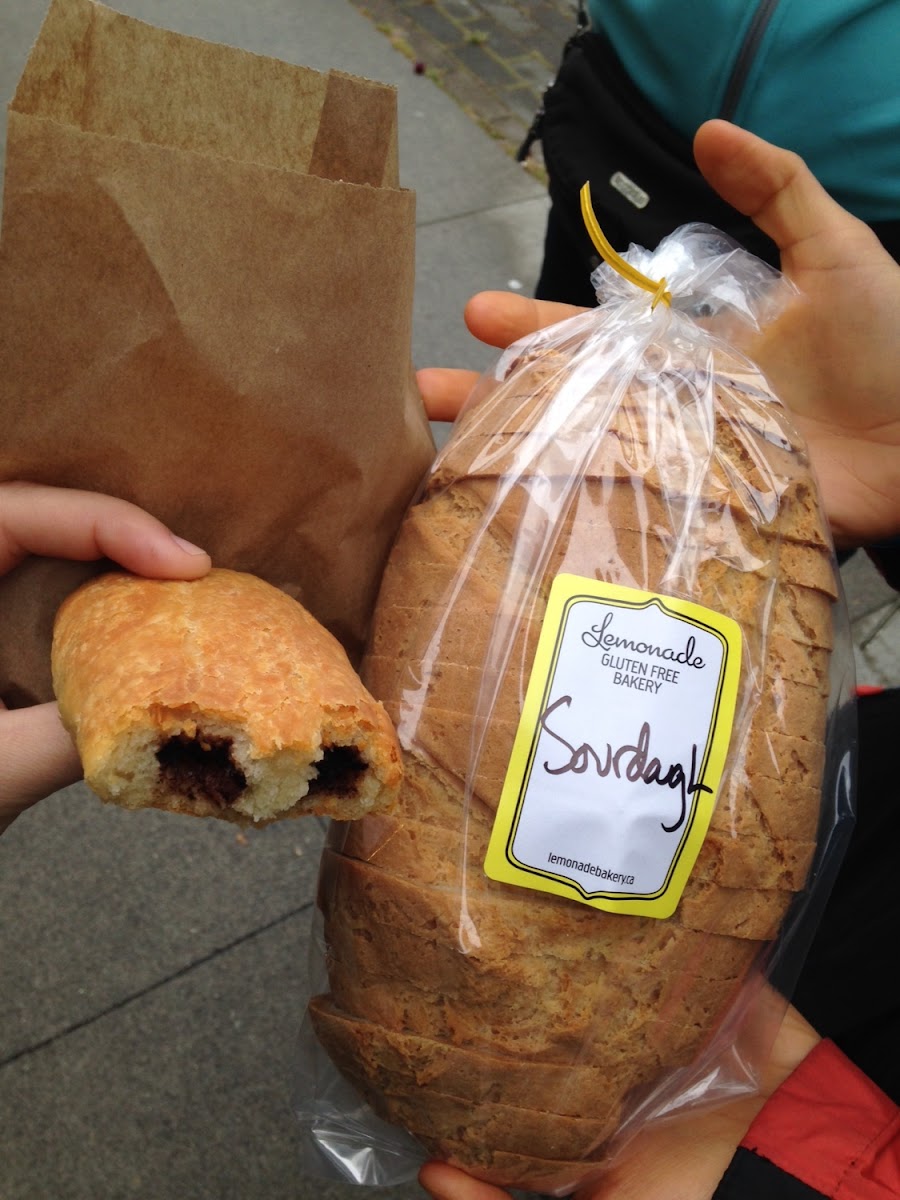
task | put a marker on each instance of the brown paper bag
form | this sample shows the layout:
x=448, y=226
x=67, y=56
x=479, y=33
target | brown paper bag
x=206, y=277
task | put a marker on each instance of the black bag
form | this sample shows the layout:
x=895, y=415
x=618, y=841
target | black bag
x=596, y=126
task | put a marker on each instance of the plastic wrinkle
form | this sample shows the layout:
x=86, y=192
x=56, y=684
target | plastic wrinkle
x=520, y=1033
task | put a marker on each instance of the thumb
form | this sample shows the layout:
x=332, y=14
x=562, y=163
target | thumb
x=38, y=757
x=443, y=1182
x=776, y=189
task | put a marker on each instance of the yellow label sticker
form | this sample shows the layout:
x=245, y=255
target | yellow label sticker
x=620, y=748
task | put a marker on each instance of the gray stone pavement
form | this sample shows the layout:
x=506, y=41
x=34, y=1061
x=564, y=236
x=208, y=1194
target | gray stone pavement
x=494, y=57
x=153, y=970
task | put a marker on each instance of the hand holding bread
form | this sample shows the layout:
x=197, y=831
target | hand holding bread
x=512, y=1029
x=833, y=357
x=834, y=360
x=680, y=1160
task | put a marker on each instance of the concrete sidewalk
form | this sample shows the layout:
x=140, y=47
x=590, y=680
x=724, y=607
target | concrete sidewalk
x=153, y=969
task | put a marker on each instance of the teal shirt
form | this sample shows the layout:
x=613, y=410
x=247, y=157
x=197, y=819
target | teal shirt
x=825, y=80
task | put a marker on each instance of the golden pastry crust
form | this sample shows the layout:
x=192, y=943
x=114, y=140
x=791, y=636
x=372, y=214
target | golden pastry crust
x=219, y=697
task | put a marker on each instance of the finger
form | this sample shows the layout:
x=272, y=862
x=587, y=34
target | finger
x=67, y=523
x=501, y=318
x=776, y=189
x=444, y=1182
x=38, y=757
x=497, y=319
x=444, y=391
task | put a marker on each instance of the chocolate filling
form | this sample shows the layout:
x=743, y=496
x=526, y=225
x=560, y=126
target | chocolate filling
x=201, y=768
x=338, y=771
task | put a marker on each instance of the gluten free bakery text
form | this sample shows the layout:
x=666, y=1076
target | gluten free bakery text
x=600, y=636
x=637, y=672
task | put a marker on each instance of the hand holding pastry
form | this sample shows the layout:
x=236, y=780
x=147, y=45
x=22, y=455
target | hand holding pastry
x=36, y=752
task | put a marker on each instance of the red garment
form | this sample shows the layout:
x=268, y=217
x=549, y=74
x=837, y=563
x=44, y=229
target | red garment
x=831, y=1127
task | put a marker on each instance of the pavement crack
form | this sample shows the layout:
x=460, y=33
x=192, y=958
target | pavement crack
x=181, y=973
x=478, y=212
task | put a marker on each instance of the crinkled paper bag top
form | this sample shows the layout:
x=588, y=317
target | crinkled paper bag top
x=206, y=279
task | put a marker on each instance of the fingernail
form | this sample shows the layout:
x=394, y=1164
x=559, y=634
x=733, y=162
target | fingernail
x=187, y=547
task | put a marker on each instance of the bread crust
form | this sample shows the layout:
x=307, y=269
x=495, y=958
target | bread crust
x=411, y=1063
x=441, y=974
x=220, y=697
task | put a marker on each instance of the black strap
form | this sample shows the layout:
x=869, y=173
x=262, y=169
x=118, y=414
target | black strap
x=534, y=130
x=745, y=57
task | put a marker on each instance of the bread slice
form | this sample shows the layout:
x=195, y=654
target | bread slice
x=391, y=842
x=391, y=1060
x=550, y=982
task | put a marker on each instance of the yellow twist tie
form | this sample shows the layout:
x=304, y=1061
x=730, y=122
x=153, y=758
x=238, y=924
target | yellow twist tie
x=616, y=261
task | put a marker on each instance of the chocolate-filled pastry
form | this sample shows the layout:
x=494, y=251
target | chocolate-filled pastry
x=220, y=697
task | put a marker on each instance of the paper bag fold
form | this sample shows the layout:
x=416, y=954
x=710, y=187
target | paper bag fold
x=206, y=277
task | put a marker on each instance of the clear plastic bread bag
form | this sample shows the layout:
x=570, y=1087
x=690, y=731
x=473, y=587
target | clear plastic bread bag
x=612, y=637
